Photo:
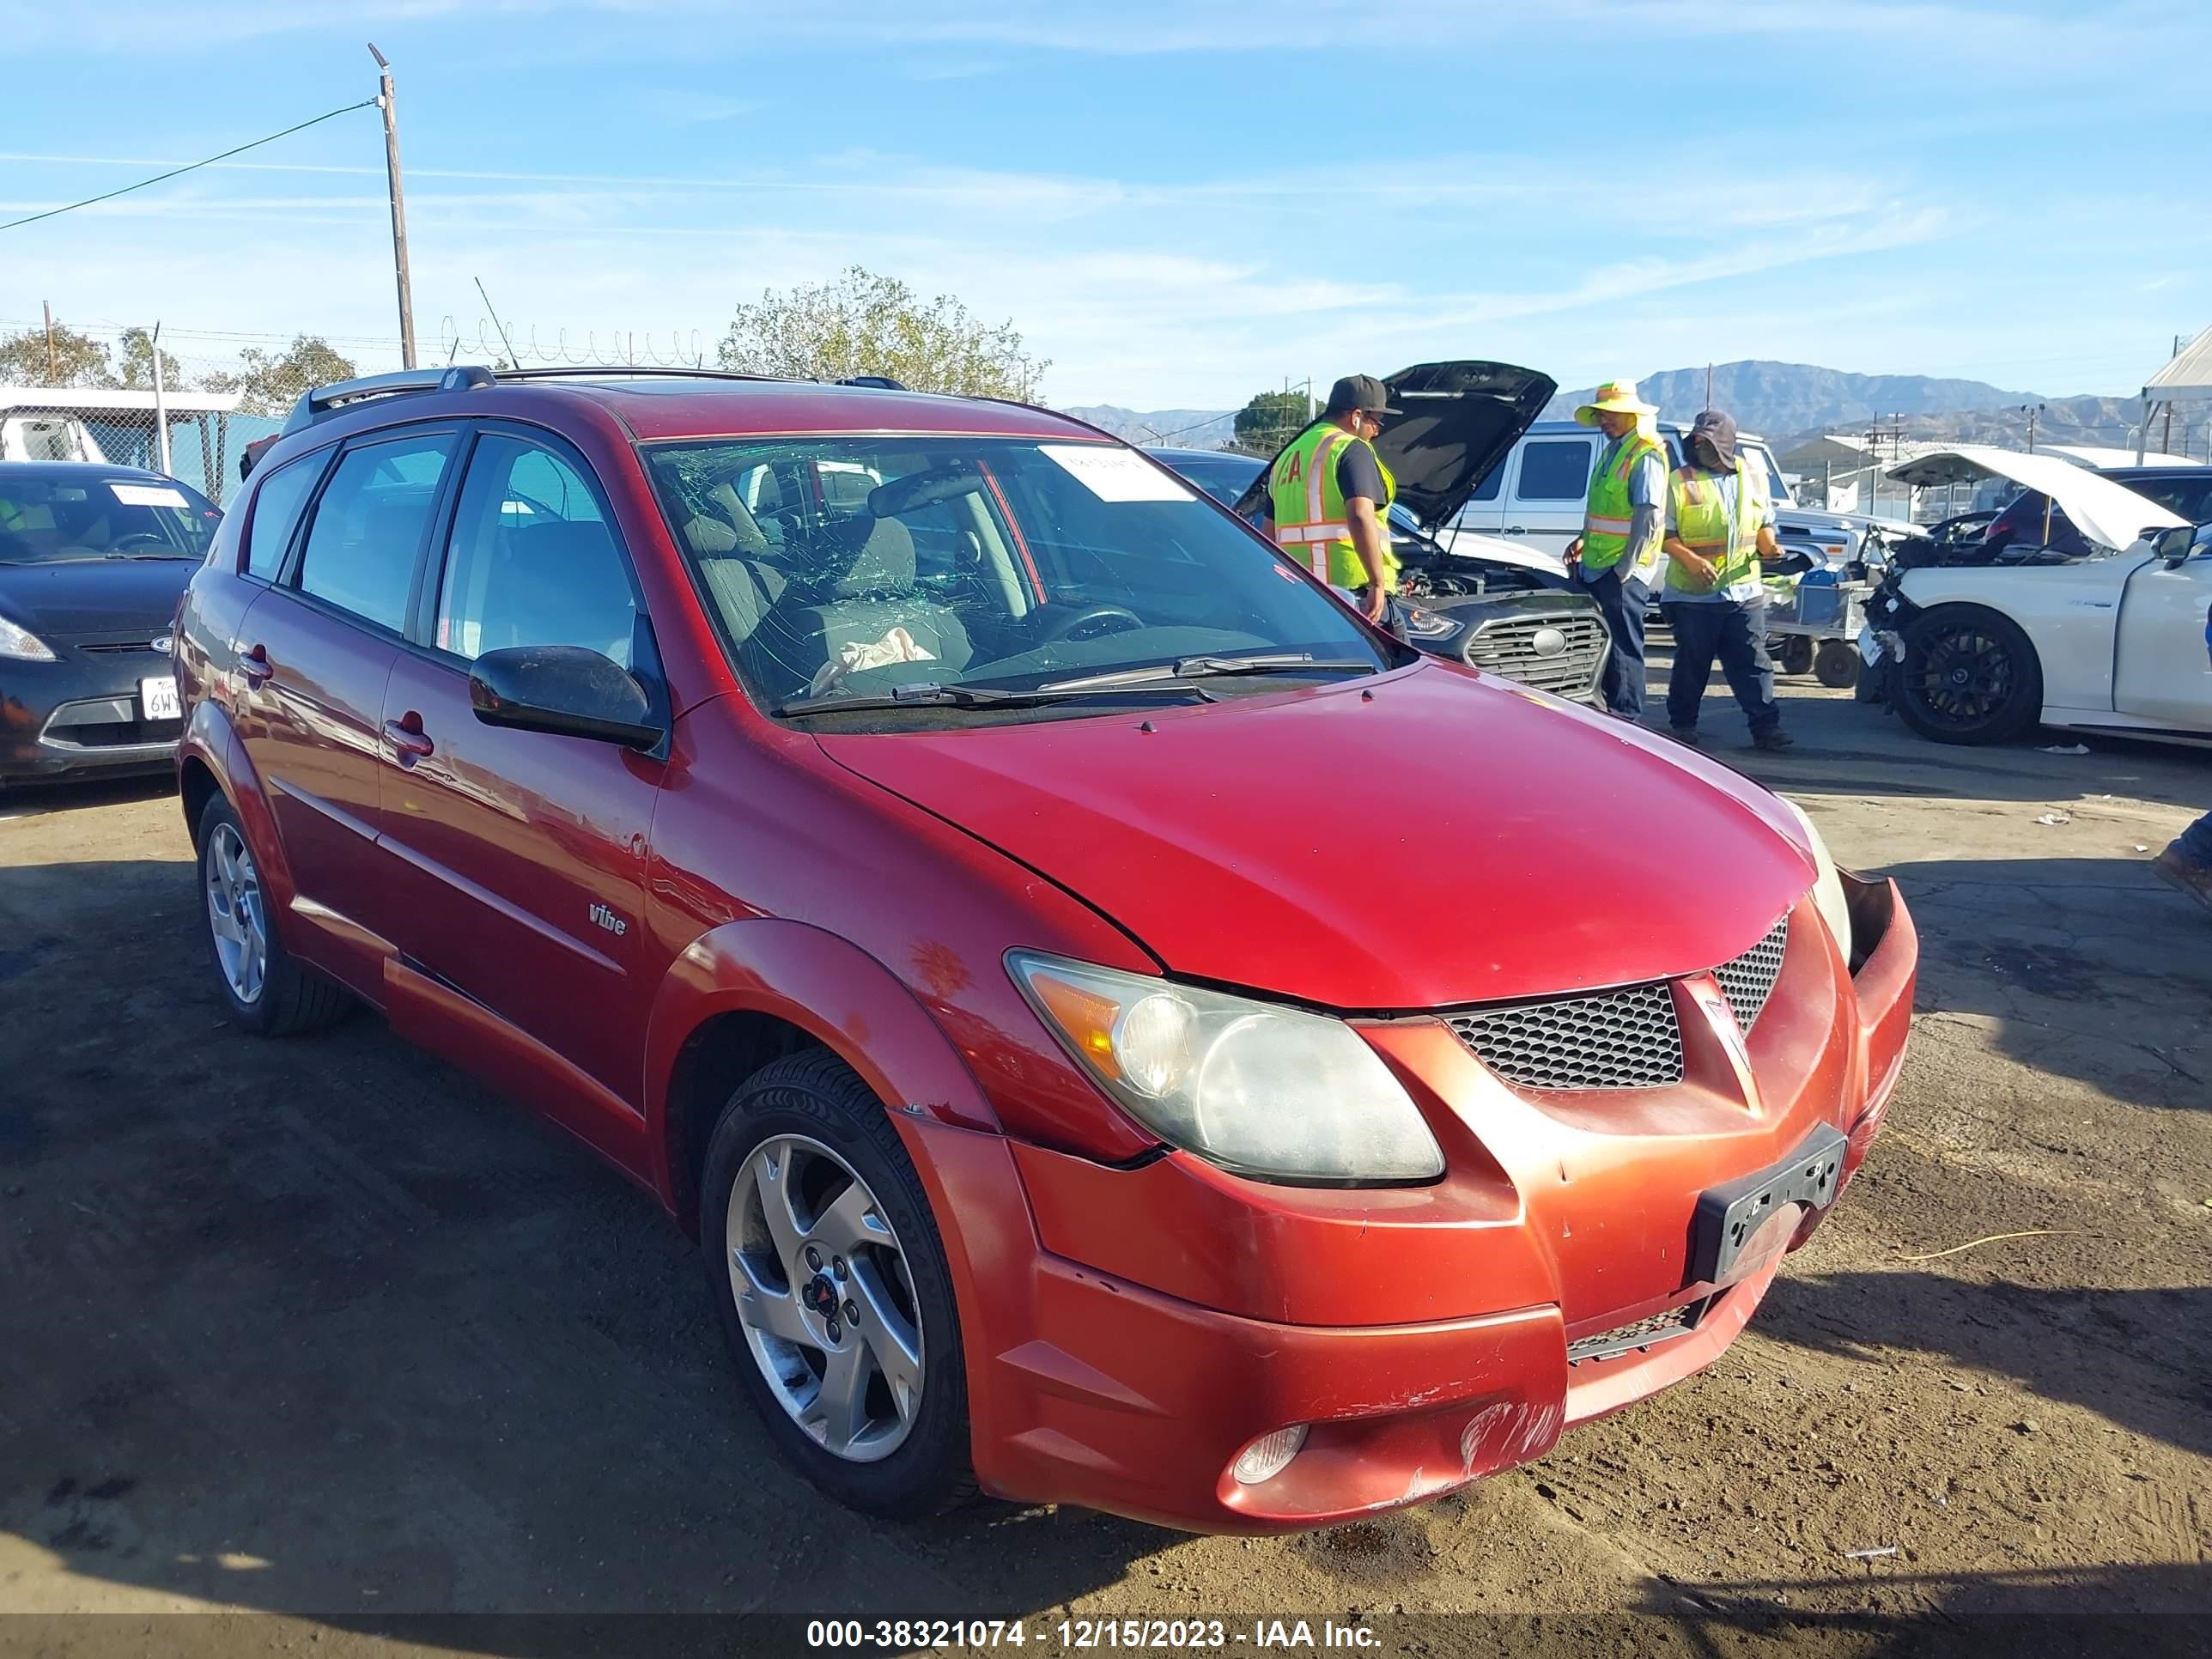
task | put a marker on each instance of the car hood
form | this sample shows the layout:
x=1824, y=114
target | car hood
x=2103, y=511
x=1449, y=424
x=1425, y=840
x=70, y=597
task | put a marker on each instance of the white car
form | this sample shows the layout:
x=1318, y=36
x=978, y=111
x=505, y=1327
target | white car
x=2113, y=643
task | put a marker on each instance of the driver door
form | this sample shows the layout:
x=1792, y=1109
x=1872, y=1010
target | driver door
x=524, y=853
x=2161, y=670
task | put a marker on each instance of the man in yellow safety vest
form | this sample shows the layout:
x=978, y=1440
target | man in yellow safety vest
x=1329, y=496
x=1720, y=522
x=1617, y=556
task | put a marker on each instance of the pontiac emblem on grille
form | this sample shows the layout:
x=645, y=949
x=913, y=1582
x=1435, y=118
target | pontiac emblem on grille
x=1705, y=991
x=1547, y=641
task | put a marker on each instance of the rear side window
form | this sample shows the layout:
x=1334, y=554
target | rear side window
x=361, y=549
x=276, y=506
x=532, y=561
x=1555, y=470
x=1493, y=483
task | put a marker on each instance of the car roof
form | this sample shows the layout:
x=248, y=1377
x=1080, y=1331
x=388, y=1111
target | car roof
x=654, y=406
x=1552, y=428
x=64, y=470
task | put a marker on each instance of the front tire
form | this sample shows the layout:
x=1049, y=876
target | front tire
x=1969, y=676
x=826, y=1272
x=266, y=989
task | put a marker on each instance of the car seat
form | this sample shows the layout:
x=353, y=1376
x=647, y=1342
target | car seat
x=558, y=583
x=864, y=588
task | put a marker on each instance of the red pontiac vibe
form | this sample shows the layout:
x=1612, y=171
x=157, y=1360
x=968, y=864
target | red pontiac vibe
x=949, y=862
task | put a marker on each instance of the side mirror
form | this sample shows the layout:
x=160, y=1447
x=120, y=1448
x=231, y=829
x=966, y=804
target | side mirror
x=564, y=689
x=2173, y=545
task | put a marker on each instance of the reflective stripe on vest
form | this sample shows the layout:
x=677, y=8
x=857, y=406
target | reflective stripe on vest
x=1702, y=523
x=1311, y=520
x=1611, y=513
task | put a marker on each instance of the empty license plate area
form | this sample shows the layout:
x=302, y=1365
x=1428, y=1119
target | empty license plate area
x=1729, y=1217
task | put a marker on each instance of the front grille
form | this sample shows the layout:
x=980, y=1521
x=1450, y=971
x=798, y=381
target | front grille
x=1615, y=1040
x=1508, y=647
x=1643, y=1333
x=1624, y=1039
x=1748, y=981
x=107, y=647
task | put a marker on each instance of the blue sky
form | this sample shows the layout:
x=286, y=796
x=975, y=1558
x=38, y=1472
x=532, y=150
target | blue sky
x=1178, y=204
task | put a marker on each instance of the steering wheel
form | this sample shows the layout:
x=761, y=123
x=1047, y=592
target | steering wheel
x=1067, y=625
x=141, y=539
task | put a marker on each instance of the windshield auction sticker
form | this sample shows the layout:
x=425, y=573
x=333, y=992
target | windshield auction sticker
x=131, y=495
x=1117, y=475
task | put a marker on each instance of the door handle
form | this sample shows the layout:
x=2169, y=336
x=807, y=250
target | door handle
x=1515, y=530
x=407, y=738
x=256, y=666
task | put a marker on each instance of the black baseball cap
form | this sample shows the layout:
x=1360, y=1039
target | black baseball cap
x=1358, y=391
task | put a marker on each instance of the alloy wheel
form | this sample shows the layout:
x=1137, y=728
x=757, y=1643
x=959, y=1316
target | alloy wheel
x=235, y=914
x=1966, y=676
x=825, y=1298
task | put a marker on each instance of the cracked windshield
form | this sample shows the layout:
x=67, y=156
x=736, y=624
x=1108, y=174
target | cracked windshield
x=871, y=579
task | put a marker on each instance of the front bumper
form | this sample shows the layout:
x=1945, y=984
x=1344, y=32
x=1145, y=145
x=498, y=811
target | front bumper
x=1129, y=1331
x=82, y=714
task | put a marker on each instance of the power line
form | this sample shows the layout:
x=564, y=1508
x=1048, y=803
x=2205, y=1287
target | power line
x=174, y=172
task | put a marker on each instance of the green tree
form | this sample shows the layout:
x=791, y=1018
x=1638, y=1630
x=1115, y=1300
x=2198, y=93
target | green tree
x=75, y=359
x=865, y=324
x=270, y=384
x=1270, y=420
x=134, y=363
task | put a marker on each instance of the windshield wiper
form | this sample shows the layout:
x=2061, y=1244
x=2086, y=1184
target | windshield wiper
x=930, y=695
x=1194, y=668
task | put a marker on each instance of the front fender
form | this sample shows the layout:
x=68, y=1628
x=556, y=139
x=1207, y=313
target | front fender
x=211, y=739
x=827, y=987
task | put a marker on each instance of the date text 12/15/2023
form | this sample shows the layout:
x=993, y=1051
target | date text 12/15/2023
x=902, y=1635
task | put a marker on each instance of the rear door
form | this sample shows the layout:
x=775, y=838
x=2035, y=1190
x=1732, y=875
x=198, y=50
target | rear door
x=522, y=854
x=1548, y=488
x=2160, y=668
x=314, y=652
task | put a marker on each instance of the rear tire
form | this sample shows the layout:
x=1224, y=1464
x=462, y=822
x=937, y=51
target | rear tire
x=266, y=989
x=805, y=1132
x=1969, y=676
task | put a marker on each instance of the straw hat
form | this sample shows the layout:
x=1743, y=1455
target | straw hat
x=1613, y=397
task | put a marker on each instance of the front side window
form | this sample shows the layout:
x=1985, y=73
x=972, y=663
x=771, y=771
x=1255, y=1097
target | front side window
x=1555, y=470
x=276, y=505
x=50, y=518
x=998, y=564
x=367, y=530
x=1777, y=487
x=531, y=561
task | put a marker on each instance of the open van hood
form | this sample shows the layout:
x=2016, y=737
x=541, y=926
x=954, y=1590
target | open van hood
x=1449, y=424
x=2103, y=511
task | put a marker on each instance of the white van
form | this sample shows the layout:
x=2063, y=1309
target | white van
x=1533, y=499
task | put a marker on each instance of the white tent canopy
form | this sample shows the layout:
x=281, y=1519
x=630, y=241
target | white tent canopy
x=2100, y=509
x=2188, y=376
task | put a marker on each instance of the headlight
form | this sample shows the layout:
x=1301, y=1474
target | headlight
x=1275, y=1093
x=1429, y=625
x=22, y=644
x=1828, y=886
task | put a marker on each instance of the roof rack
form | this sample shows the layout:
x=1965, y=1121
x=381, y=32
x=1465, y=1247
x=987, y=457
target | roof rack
x=321, y=403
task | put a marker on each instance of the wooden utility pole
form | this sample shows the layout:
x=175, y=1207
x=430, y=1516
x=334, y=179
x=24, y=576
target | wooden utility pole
x=53, y=374
x=385, y=103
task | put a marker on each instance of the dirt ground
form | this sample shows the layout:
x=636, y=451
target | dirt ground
x=321, y=1328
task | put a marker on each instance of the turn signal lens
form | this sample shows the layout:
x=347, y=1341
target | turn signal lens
x=1269, y=1455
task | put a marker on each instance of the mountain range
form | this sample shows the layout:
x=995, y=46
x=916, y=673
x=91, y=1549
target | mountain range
x=1788, y=403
